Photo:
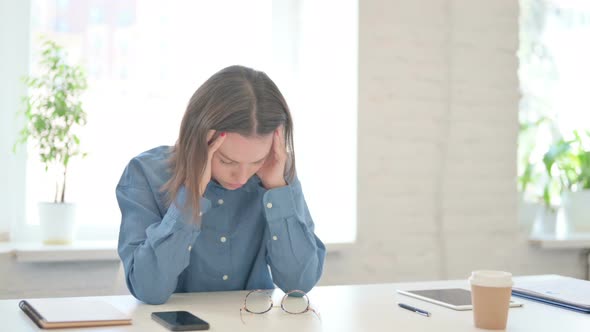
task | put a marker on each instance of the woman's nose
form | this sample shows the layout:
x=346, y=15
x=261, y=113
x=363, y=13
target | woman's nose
x=241, y=175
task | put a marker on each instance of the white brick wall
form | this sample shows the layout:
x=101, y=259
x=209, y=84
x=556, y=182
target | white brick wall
x=438, y=110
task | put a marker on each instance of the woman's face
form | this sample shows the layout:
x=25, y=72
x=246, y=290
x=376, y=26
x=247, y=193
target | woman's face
x=239, y=158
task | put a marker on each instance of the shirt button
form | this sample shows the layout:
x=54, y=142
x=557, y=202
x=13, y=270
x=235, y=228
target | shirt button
x=274, y=237
x=269, y=205
x=225, y=277
x=220, y=201
x=200, y=213
x=190, y=248
x=223, y=239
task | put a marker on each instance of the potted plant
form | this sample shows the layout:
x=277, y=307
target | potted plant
x=53, y=111
x=536, y=213
x=568, y=164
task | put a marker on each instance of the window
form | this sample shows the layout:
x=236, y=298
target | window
x=553, y=75
x=144, y=60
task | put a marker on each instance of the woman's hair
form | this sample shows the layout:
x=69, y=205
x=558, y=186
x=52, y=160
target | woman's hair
x=238, y=100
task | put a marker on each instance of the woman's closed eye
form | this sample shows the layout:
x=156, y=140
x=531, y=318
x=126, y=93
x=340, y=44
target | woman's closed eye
x=231, y=162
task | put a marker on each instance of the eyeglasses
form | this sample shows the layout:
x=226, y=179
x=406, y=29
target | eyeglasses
x=260, y=301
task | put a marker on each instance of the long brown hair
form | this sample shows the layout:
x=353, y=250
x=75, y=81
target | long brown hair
x=236, y=99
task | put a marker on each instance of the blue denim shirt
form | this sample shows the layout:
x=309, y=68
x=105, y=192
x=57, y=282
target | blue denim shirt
x=243, y=232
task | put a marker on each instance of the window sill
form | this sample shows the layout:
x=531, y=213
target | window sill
x=567, y=241
x=83, y=251
x=90, y=251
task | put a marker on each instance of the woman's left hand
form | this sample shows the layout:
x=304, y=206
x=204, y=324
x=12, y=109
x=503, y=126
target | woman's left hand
x=272, y=172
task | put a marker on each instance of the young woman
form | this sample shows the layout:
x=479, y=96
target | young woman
x=224, y=204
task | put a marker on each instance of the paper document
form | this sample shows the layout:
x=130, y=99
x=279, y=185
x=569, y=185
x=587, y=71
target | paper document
x=73, y=312
x=575, y=292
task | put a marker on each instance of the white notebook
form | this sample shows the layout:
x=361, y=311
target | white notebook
x=571, y=291
x=73, y=312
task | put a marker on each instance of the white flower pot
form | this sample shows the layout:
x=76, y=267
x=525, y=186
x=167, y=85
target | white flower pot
x=545, y=221
x=527, y=213
x=576, y=207
x=57, y=221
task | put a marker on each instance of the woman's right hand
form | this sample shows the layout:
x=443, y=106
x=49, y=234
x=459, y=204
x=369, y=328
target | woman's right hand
x=213, y=146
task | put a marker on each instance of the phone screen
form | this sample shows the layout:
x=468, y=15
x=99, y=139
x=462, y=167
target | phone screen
x=180, y=321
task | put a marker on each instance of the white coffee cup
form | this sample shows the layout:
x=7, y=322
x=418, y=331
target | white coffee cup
x=490, y=296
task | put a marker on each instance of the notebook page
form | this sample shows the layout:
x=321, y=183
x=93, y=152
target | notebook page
x=559, y=288
x=76, y=310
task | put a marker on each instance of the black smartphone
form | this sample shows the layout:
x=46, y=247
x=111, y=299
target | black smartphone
x=180, y=321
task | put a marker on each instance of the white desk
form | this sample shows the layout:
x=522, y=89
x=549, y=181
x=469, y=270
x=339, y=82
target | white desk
x=343, y=308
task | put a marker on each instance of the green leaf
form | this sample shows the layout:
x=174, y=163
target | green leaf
x=555, y=152
x=547, y=196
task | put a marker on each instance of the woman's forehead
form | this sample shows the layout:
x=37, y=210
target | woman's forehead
x=245, y=149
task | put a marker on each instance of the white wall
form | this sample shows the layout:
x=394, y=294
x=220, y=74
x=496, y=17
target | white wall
x=33, y=280
x=14, y=35
x=438, y=107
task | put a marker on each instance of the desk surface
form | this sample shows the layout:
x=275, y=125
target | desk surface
x=342, y=308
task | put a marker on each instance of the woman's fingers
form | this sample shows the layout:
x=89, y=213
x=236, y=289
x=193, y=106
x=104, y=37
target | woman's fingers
x=210, y=134
x=213, y=146
x=278, y=143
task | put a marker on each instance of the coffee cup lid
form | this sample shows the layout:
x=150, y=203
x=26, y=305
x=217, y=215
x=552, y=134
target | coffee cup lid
x=488, y=278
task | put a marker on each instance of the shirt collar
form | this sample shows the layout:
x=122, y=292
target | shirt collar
x=252, y=185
